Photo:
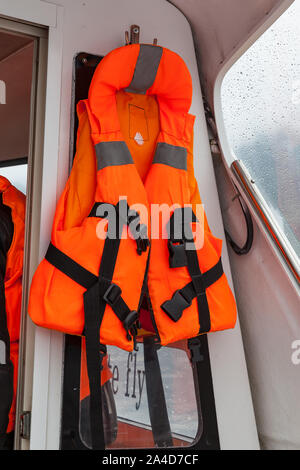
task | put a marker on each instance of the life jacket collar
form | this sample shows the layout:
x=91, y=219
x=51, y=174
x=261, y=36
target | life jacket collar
x=140, y=68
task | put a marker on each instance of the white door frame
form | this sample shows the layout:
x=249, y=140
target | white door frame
x=48, y=345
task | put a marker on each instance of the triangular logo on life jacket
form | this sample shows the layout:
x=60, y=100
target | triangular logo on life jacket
x=139, y=138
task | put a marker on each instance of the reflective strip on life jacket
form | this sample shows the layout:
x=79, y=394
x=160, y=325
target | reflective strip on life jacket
x=145, y=69
x=171, y=155
x=112, y=154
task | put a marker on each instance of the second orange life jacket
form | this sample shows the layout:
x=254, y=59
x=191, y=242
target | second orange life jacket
x=12, y=216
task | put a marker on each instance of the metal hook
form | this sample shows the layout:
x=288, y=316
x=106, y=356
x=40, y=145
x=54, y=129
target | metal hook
x=134, y=34
x=134, y=37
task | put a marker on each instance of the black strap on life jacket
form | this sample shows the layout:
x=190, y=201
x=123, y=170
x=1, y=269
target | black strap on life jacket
x=80, y=275
x=6, y=366
x=206, y=405
x=100, y=291
x=128, y=217
x=179, y=256
x=158, y=412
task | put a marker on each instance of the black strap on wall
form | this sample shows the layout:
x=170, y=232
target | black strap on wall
x=159, y=419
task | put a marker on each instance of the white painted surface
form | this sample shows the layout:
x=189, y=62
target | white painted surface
x=97, y=27
x=46, y=399
x=34, y=11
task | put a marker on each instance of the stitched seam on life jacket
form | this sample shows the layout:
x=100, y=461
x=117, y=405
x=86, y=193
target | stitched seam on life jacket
x=130, y=118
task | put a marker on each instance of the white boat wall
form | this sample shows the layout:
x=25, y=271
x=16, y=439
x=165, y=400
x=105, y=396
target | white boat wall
x=255, y=382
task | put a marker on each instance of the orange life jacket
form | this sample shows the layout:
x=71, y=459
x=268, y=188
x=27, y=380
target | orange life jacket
x=13, y=203
x=134, y=151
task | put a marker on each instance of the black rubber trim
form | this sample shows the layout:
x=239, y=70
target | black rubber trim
x=250, y=232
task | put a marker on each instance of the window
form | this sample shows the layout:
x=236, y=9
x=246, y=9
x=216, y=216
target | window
x=127, y=421
x=17, y=175
x=261, y=105
x=16, y=62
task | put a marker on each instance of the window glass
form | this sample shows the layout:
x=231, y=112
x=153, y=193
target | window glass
x=17, y=175
x=125, y=396
x=261, y=105
x=16, y=59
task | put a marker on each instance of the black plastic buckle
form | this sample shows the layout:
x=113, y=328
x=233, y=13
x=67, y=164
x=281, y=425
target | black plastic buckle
x=177, y=258
x=140, y=235
x=112, y=294
x=142, y=245
x=194, y=345
x=131, y=325
x=174, y=307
